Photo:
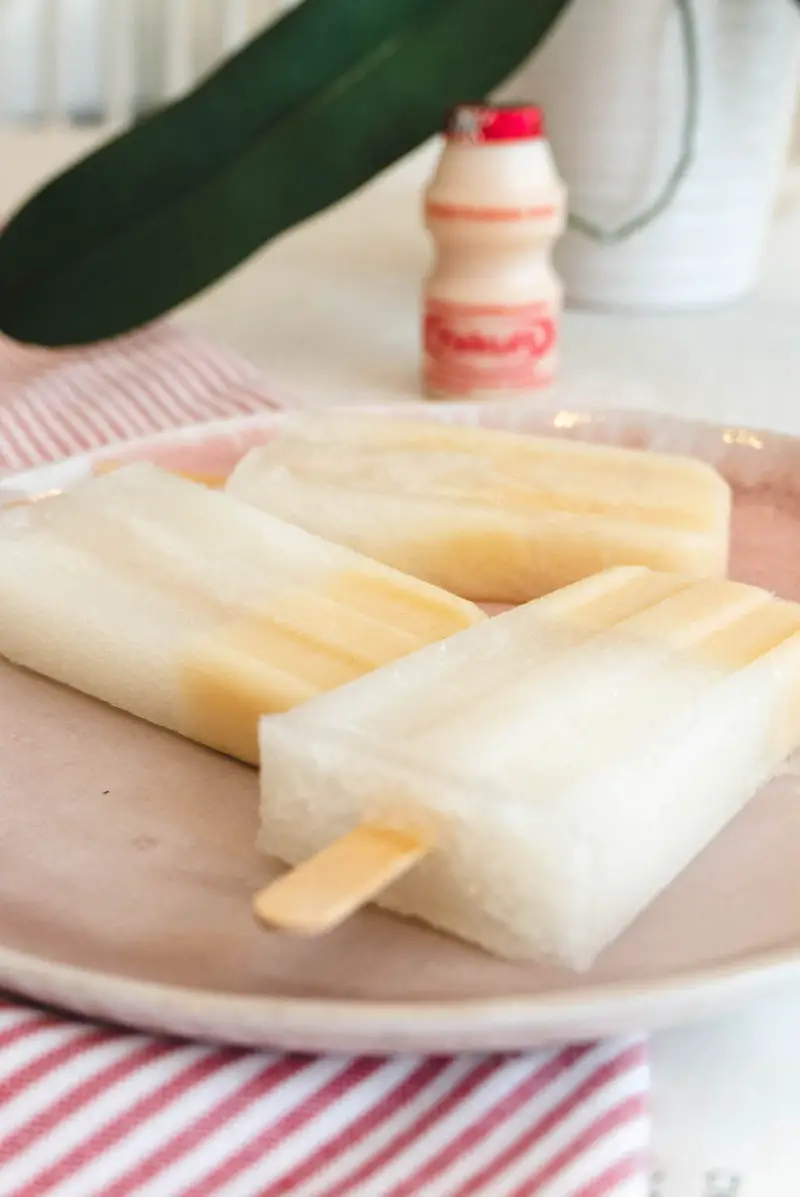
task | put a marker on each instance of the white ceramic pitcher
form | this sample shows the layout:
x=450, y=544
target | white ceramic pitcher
x=612, y=78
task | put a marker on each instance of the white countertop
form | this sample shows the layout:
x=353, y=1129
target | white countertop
x=331, y=312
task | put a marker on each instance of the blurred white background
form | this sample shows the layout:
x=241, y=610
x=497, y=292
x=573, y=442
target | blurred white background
x=92, y=62
x=85, y=62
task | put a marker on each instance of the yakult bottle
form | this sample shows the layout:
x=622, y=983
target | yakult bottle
x=494, y=207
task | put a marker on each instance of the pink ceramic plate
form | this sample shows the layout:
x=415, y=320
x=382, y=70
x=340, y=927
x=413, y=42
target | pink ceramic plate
x=127, y=858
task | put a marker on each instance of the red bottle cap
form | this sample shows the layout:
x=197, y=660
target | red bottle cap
x=483, y=123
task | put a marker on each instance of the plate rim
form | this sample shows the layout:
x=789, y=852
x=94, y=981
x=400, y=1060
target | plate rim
x=377, y=1027
x=561, y=416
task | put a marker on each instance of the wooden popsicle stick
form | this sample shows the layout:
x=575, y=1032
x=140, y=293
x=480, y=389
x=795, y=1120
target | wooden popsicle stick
x=322, y=892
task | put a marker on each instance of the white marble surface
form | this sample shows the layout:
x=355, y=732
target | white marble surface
x=331, y=312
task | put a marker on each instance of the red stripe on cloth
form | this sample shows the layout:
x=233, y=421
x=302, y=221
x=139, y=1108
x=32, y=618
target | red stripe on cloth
x=38, y=413
x=56, y=1057
x=178, y=384
x=467, y=1139
x=209, y=371
x=145, y=1108
x=31, y=435
x=421, y=1125
x=171, y=1152
x=365, y=1124
x=630, y=1167
x=70, y=1103
x=17, y=450
x=356, y=1072
x=583, y=1094
x=623, y=1114
x=28, y=1028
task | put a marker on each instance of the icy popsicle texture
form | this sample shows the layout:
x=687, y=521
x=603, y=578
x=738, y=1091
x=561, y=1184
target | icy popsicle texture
x=568, y=758
x=492, y=516
x=198, y=612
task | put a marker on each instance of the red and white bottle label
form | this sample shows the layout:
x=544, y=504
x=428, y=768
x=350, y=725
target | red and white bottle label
x=471, y=348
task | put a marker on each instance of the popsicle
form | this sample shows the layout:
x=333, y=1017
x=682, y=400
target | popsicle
x=556, y=767
x=492, y=516
x=195, y=611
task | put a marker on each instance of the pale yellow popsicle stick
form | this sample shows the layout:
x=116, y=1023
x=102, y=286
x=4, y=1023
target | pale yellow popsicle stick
x=322, y=892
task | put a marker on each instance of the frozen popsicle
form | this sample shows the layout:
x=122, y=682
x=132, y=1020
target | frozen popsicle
x=195, y=611
x=493, y=516
x=557, y=766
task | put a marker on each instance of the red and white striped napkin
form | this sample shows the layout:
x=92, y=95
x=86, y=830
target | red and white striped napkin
x=100, y=1112
x=57, y=402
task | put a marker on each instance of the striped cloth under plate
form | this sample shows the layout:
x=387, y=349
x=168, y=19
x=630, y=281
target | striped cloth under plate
x=91, y=1111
